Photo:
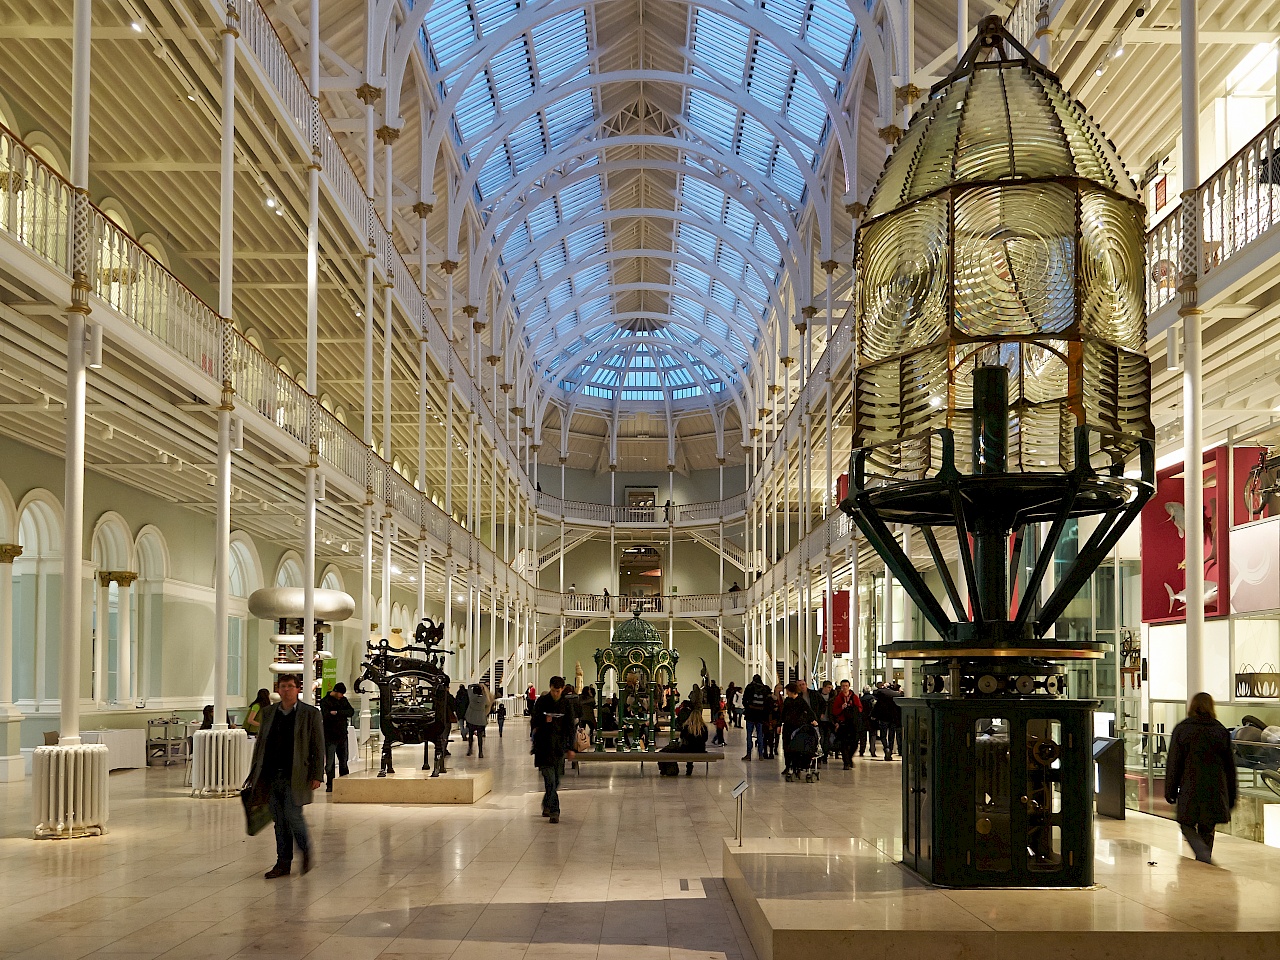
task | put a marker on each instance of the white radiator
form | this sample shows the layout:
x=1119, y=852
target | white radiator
x=70, y=790
x=219, y=762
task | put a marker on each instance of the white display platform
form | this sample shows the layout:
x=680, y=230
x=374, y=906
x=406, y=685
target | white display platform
x=412, y=786
x=126, y=749
x=801, y=898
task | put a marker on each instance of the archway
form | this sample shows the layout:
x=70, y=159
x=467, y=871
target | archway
x=37, y=596
x=640, y=577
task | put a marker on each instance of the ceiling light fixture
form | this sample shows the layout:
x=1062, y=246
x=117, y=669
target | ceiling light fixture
x=271, y=203
x=137, y=27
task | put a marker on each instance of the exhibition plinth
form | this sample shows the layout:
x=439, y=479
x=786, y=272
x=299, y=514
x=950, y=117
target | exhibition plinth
x=801, y=898
x=412, y=786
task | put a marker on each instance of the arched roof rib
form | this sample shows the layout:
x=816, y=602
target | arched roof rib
x=520, y=90
x=498, y=232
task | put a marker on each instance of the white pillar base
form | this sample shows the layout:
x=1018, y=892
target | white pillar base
x=219, y=762
x=70, y=792
x=13, y=768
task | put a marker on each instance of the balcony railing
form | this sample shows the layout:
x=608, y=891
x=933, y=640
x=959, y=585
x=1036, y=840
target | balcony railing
x=36, y=212
x=658, y=515
x=686, y=605
x=260, y=38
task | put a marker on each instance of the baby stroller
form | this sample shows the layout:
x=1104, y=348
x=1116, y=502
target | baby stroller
x=800, y=753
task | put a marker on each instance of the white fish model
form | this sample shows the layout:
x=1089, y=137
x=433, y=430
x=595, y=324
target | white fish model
x=1180, y=598
x=1178, y=514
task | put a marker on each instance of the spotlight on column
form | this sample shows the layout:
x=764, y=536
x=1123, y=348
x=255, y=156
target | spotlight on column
x=237, y=435
x=95, y=346
x=320, y=487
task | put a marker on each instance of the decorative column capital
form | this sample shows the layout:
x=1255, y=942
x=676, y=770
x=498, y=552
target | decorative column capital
x=890, y=134
x=422, y=208
x=10, y=552
x=829, y=266
x=368, y=93
x=125, y=578
x=470, y=310
x=448, y=266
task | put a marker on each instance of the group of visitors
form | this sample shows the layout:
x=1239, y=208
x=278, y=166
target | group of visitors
x=472, y=707
x=846, y=721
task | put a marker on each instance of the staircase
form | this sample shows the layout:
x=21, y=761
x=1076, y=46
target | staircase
x=732, y=551
x=732, y=641
x=549, y=640
x=571, y=540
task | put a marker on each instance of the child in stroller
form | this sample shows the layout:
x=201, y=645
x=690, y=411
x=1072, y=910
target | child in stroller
x=799, y=736
x=801, y=754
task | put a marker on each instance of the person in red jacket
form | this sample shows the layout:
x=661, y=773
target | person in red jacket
x=846, y=711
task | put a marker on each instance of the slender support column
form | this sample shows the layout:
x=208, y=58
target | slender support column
x=12, y=766
x=366, y=607
x=77, y=317
x=226, y=266
x=908, y=612
x=101, y=635
x=448, y=609
x=384, y=612
x=309, y=687
x=962, y=27
x=1192, y=372
x=124, y=638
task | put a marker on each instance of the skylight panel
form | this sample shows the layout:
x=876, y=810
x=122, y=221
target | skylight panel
x=701, y=197
x=526, y=144
x=579, y=196
x=830, y=29
x=805, y=109
x=788, y=14
x=568, y=117
x=770, y=75
x=512, y=74
x=786, y=175
x=697, y=280
x=552, y=260
x=696, y=239
x=495, y=173
x=712, y=117
x=560, y=42
x=756, y=145
x=739, y=219
x=543, y=218
x=721, y=41
x=450, y=29
x=475, y=107
x=491, y=14
x=517, y=243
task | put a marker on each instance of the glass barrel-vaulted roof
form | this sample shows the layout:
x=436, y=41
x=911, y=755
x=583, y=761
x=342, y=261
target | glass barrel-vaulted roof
x=641, y=238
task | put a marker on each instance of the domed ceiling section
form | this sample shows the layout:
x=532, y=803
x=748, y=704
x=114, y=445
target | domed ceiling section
x=642, y=193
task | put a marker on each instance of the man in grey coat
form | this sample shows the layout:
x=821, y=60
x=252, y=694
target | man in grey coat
x=288, y=764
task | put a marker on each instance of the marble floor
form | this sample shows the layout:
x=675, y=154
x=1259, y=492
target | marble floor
x=633, y=869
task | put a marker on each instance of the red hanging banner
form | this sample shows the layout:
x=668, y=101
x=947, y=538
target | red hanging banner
x=839, y=628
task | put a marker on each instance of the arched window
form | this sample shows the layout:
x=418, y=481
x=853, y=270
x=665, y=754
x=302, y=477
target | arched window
x=37, y=595
x=289, y=573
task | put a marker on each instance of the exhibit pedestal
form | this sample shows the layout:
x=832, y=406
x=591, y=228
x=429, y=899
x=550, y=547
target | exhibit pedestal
x=998, y=791
x=806, y=897
x=417, y=786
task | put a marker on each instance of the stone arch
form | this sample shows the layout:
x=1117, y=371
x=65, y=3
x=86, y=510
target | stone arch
x=40, y=525
x=289, y=570
x=331, y=579
x=245, y=562
x=151, y=553
x=112, y=545
x=47, y=149
x=8, y=511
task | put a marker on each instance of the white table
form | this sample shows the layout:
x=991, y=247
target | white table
x=126, y=749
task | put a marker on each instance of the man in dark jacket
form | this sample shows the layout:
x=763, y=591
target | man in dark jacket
x=820, y=704
x=1200, y=775
x=870, y=726
x=336, y=710
x=889, y=716
x=553, y=726
x=461, y=700
x=755, y=703
x=846, y=714
x=288, y=762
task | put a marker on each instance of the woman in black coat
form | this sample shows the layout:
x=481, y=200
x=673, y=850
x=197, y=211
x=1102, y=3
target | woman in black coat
x=1200, y=775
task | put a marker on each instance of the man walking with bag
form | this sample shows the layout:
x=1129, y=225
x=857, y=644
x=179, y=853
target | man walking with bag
x=288, y=763
x=553, y=723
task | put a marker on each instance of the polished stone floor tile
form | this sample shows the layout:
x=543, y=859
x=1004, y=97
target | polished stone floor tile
x=633, y=871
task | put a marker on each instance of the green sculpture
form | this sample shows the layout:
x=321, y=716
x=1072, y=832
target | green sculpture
x=641, y=667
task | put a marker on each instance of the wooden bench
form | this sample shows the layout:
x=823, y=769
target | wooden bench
x=646, y=756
